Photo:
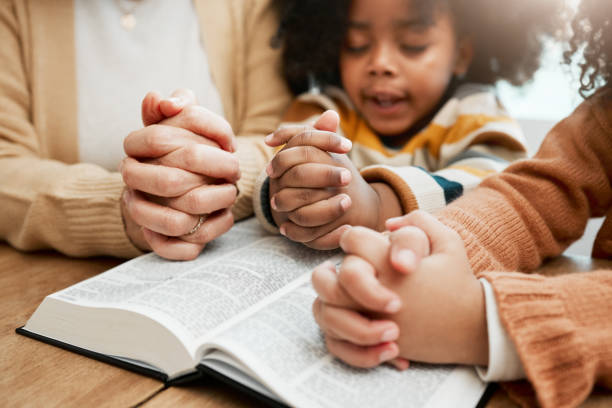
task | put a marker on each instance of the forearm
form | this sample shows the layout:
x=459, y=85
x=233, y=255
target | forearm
x=475, y=349
x=538, y=207
x=74, y=209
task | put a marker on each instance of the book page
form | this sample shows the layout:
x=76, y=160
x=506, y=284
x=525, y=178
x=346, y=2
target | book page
x=136, y=276
x=192, y=298
x=283, y=347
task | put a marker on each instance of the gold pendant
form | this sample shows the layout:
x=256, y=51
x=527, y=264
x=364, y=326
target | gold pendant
x=128, y=21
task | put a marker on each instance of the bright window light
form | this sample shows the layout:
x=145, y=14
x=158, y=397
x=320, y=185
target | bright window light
x=553, y=93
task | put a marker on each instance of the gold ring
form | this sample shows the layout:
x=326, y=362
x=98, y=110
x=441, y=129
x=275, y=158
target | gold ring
x=198, y=225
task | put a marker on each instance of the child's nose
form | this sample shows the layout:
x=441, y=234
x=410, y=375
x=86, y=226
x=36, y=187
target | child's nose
x=382, y=62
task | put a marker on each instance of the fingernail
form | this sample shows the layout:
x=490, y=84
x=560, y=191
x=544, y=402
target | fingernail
x=268, y=138
x=282, y=230
x=406, y=257
x=345, y=203
x=393, y=220
x=346, y=144
x=386, y=356
x=345, y=229
x=393, y=306
x=389, y=335
x=345, y=176
x=273, y=204
x=269, y=169
x=400, y=363
x=176, y=101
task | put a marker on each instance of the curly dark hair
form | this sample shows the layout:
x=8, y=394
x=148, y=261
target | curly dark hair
x=592, y=42
x=506, y=35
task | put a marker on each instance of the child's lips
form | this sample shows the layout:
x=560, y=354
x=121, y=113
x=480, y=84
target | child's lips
x=384, y=93
x=385, y=105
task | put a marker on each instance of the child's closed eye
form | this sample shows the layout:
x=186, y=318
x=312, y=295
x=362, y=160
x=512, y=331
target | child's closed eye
x=411, y=49
x=356, y=41
x=354, y=49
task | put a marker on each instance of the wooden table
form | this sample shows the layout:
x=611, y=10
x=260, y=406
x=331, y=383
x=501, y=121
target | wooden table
x=37, y=374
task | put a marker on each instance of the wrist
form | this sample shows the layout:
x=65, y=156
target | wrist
x=388, y=204
x=474, y=347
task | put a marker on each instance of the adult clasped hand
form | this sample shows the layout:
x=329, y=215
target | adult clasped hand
x=180, y=174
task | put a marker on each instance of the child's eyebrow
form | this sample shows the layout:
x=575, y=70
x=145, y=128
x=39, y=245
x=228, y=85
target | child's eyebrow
x=415, y=24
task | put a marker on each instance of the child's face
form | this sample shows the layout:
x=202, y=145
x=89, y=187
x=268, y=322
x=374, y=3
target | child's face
x=396, y=67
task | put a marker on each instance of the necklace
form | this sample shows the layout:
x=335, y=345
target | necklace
x=127, y=20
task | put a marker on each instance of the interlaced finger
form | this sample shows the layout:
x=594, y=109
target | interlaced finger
x=290, y=157
x=321, y=212
x=350, y=325
x=324, y=140
x=291, y=198
x=315, y=175
x=158, y=218
x=159, y=180
x=171, y=248
x=204, y=160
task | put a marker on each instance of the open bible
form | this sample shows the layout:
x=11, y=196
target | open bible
x=240, y=312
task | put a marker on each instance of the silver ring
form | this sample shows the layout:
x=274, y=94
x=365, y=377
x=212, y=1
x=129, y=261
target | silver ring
x=198, y=224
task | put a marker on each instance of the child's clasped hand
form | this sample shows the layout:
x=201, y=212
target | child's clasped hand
x=315, y=190
x=410, y=295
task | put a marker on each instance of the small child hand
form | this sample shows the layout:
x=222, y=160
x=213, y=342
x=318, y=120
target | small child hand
x=347, y=299
x=409, y=245
x=308, y=205
x=315, y=190
x=305, y=145
x=442, y=320
x=306, y=179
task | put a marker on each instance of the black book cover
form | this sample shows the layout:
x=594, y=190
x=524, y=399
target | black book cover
x=158, y=375
x=202, y=371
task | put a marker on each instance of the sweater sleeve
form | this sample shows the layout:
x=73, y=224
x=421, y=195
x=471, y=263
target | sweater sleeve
x=73, y=208
x=537, y=207
x=562, y=331
x=533, y=210
x=267, y=97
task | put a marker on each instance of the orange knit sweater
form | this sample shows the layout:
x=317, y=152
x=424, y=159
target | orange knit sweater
x=561, y=326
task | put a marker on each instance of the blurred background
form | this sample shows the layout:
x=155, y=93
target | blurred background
x=550, y=97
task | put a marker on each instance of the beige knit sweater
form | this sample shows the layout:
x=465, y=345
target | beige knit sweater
x=47, y=199
x=561, y=326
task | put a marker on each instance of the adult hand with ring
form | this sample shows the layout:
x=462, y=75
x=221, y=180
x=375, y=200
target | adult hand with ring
x=196, y=227
x=180, y=177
